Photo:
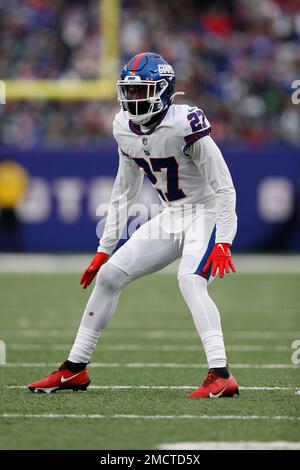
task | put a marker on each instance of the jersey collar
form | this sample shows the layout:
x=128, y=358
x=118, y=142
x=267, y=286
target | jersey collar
x=135, y=128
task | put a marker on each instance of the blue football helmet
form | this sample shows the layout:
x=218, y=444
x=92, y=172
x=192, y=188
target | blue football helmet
x=146, y=86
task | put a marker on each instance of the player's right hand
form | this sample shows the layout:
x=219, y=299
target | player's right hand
x=91, y=271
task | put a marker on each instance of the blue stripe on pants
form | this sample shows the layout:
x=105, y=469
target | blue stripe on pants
x=206, y=255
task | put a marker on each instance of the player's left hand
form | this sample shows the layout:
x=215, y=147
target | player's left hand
x=220, y=259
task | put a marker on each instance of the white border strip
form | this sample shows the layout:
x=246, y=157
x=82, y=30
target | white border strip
x=240, y=445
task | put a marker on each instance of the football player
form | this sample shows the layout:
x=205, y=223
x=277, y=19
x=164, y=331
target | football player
x=171, y=144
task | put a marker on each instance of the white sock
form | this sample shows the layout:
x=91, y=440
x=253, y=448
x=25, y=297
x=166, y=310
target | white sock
x=83, y=346
x=99, y=310
x=206, y=318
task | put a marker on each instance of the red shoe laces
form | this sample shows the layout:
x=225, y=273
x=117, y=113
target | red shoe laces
x=209, y=379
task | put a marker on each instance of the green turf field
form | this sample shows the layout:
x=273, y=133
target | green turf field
x=150, y=342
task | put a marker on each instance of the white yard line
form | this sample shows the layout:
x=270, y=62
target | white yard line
x=240, y=445
x=164, y=387
x=148, y=417
x=146, y=333
x=264, y=334
x=130, y=321
x=141, y=365
x=152, y=347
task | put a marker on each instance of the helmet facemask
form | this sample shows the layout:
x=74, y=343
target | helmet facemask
x=141, y=98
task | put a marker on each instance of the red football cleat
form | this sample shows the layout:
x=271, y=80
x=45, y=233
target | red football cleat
x=62, y=379
x=214, y=387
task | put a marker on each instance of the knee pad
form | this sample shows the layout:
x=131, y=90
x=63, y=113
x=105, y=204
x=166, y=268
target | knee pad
x=112, y=277
x=186, y=283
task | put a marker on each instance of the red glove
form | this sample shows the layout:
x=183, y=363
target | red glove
x=220, y=258
x=91, y=271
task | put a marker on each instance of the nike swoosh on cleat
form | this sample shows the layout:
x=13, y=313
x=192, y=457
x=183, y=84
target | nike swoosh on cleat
x=211, y=395
x=63, y=380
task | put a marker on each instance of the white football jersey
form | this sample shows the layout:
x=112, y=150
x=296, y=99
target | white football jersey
x=183, y=164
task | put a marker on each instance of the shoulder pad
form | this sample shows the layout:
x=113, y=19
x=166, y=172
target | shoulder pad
x=119, y=123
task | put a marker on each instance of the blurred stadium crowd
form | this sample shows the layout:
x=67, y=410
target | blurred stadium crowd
x=236, y=59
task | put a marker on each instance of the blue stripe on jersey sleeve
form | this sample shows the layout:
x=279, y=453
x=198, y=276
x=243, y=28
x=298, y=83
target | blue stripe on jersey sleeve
x=191, y=138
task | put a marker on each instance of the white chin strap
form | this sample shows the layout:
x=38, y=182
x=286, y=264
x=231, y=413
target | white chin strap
x=152, y=100
x=142, y=120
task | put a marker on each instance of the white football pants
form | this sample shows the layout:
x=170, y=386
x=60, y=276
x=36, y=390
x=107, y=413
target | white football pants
x=165, y=238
